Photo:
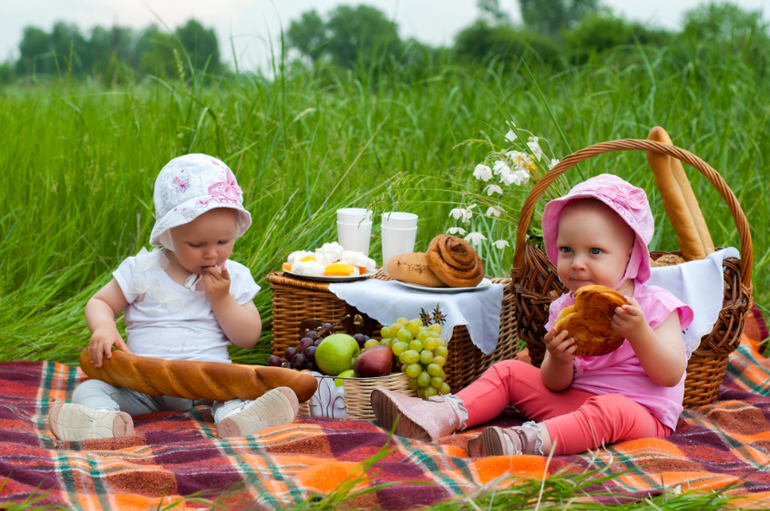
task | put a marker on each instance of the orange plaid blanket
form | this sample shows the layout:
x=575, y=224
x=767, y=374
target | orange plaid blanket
x=174, y=455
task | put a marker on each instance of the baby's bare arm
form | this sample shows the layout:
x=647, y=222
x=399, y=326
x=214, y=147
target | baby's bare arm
x=660, y=351
x=240, y=323
x=556, y=370
x=101, y=311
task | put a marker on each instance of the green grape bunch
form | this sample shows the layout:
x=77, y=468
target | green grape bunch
x=421, y=352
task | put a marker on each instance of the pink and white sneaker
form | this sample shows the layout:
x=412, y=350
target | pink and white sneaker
x=420, y=419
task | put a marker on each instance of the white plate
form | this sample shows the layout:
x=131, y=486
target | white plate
x=485, y=282
x=321, y=278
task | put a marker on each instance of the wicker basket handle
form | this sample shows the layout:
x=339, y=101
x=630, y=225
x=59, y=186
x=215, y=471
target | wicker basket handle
x=640, y=145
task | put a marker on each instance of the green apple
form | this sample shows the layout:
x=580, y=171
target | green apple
x=335, y=354
x=344, y=374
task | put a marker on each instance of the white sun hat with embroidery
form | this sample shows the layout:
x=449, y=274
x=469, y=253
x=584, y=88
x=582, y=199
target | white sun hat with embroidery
x=189, y=186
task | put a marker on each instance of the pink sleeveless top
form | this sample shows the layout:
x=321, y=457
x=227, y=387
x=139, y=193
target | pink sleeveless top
x=620, y=372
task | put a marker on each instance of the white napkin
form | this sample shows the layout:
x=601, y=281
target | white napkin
x=386, y=301
x=700, y=285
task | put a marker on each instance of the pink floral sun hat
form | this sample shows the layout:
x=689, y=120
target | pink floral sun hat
x=189, y=186
x=628, y=201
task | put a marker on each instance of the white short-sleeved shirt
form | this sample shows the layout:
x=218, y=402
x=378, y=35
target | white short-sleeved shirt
x=169, y=321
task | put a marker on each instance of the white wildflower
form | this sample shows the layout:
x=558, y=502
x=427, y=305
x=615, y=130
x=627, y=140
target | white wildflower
x=456, y=230
x=500, y=244
x=482, y=172
x=518, y=178
x=467, y=214
x=495, y=211
x=507, y=180
x=463, y=213
x=534, y=146
x=510, y=136
x=475, y=237
x=493, y=189
x=521, y=161
x=553, y=163
x=502, y=168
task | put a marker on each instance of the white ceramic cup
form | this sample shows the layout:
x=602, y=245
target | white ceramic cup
x=395, y=242
x=398, y=220
x=354, y=215
x=355, y=236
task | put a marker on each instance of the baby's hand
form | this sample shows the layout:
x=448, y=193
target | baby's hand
x=217, y=283
x=101, y=343
x=629, y=320
x=561, y=347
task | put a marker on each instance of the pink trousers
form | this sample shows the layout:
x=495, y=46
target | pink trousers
x=576, y=420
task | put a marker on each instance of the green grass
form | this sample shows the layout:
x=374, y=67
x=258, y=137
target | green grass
x=79, y=162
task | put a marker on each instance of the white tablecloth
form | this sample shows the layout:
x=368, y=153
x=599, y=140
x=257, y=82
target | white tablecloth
x=700, y=285
x=386, y=301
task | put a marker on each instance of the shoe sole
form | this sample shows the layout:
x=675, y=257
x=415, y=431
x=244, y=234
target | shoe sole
x=492, y=441
x=387, y=412
x=72, y=422
x=475, y=447
x=276, y=407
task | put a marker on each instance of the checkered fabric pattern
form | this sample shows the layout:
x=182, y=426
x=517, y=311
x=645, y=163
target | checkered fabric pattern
x=175, y=455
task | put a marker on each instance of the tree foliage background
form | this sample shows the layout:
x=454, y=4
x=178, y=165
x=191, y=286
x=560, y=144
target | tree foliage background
x=113, y=54
x=362, y=37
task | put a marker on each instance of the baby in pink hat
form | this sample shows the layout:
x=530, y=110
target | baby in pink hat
x=184, y=301
x=597, y=234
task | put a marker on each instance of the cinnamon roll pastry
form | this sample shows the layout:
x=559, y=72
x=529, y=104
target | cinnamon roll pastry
x=454, y=261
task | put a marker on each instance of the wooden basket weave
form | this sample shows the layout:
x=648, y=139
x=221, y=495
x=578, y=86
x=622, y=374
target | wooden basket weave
x=358, y=394
x=535, y=284
x=295, y=300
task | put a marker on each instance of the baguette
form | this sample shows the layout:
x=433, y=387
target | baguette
x=413, y=268
x=679, y=201
x=214, y=381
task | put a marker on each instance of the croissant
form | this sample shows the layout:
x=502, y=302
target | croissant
x=454, y=261
x=214, y=381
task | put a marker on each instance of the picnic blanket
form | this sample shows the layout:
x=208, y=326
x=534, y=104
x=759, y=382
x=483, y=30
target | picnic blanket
x=175, y=455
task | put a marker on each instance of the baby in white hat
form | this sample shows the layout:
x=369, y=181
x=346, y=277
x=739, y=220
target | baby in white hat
x=184, y=301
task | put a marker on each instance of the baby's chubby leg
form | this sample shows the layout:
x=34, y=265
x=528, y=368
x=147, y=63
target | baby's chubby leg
x=238, y=418
x=99, y=395
x=515, y=383
x=601, y=420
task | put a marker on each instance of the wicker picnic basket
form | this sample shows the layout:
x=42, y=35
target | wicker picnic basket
x=295, y=300
x=535, y=284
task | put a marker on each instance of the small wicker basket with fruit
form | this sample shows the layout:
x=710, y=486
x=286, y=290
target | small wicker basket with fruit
x=409, y=359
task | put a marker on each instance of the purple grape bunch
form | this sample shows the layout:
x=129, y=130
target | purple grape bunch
x=303, y=356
